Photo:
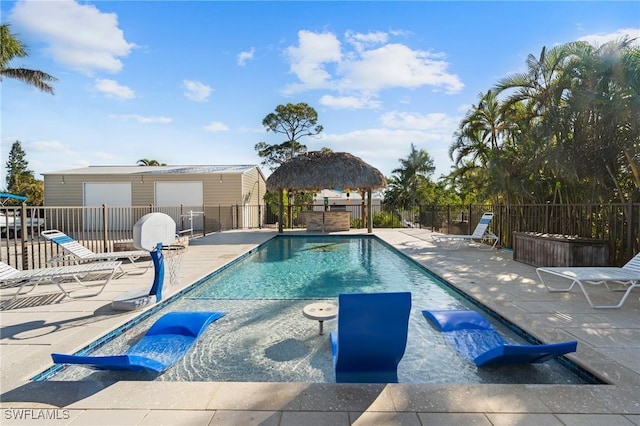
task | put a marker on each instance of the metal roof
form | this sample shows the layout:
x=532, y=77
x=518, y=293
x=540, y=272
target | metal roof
x=154, y=170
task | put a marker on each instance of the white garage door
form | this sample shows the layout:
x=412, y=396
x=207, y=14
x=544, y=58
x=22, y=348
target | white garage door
x=187, y=195
x=114, y=195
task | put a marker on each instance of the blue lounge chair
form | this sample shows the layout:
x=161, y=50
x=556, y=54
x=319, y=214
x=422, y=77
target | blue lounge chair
x=371, y=337
x=474, y=337
x=164, y=344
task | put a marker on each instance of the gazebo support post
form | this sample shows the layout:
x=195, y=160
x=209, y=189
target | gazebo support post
x=369, y=216
x=281, y=211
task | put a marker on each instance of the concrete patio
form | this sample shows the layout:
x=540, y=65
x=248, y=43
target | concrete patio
x=609, y=344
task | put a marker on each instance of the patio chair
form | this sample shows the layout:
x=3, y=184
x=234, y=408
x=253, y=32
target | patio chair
x=476, y=339
x=79, y=253
x=371, y=336
x=481, y=237
x=12, y=277
x=628, y=276
x=164, y=344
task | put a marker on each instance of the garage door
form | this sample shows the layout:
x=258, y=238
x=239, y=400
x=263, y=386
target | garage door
x=116, y=196
x=187, y=200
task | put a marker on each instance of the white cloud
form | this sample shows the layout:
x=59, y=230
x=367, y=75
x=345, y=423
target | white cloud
x=416, y=121
x=79, y=35
x=49, y=146
x=113, y=89
x=216, y=126
x=349, y=102
x=360, y=41
x=320, y=61
x=197, y=91
x=383, y=147
x=243, y=57
x=144, y=119
x=396, y=65
x=308, y=59
x=600, y=39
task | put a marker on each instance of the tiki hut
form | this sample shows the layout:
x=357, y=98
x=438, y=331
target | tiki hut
x=318, y=170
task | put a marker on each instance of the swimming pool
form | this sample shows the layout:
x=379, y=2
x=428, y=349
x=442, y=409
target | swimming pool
x=264, y=336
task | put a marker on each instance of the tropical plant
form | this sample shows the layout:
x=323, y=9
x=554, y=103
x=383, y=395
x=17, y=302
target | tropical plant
x=410, y=184
x=147, y=162
x=11, y=48
x=567, y=130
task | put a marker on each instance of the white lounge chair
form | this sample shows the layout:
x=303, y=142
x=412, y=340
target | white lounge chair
x=628, y=275
x=12, y=277
x=80, y=253
x=481, y=237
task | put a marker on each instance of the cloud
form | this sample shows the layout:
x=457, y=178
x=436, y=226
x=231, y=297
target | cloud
x=349, y=102
x=384, y=147
x=49, y=146
x=308, y=59
x=79, y=36
x=197, y=91
x=142, y=118
x=600, y=39
x=216, y=126
x=243, y=57
x=112, y=89
x=408, y=120
x=359, y=41
x=365, y=65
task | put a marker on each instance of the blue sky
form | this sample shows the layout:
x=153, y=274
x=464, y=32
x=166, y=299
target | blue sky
x=189, y=82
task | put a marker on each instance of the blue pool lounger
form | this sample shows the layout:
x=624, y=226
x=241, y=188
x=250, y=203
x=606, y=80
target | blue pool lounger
x=371, y=336
x=168, y=340
x=476, y=339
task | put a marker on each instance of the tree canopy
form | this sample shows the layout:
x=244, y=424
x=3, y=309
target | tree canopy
x=12, y=48
x=147, y=162
x=20, y=179
x=567, y=130
x=294, y=121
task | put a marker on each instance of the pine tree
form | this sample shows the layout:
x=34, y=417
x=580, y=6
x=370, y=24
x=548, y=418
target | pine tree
x=17, y=167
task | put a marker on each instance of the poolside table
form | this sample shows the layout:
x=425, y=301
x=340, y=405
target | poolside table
x=320, y=312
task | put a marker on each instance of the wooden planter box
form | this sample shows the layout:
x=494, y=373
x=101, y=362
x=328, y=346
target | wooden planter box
x=559, y=250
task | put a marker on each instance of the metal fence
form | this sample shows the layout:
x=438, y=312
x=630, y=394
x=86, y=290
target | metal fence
x=103, y=228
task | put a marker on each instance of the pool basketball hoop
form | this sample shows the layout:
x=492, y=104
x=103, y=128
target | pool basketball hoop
x=155, y=233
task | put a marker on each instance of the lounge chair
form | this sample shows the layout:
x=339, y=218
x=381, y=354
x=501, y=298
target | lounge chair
x=12, y=277
x=481, y=237
x=79, y=253
x=164, y=344
x=628, y=275
x=371, y=336
x=475, y=339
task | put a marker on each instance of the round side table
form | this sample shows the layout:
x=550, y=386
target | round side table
x=320, y=312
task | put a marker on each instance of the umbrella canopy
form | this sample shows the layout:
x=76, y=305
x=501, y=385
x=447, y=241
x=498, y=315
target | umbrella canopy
x=319, y=170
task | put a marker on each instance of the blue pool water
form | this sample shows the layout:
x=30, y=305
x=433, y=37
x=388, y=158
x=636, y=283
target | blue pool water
x=265, y=337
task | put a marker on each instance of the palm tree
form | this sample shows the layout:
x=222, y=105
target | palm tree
x=406, y=187
x=147, y=162
x=11, y=48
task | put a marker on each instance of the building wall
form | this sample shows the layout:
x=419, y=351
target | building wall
x=218, y=189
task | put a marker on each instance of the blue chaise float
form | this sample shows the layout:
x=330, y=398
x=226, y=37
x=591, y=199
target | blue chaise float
x=474, y=338
x=164, y=344
x=371, y=336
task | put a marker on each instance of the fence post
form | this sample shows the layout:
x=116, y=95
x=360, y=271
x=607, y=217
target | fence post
x=105, y=240
x=630, y=223
x=23, y=236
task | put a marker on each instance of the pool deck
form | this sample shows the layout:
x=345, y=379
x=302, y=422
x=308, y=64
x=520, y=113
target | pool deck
x=609, y=344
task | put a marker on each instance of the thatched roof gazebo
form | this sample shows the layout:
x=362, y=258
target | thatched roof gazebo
x=317, y=170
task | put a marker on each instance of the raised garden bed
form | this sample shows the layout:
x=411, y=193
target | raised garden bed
x=539, y=249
